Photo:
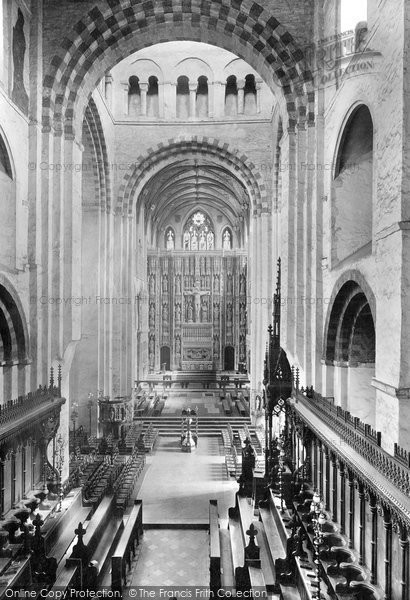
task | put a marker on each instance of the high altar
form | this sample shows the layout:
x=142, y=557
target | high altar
x=197, y=310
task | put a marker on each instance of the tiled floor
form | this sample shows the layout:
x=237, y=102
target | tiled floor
x=175, y=492
x=172, y=557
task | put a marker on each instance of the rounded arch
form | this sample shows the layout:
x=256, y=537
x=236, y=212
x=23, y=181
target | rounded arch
x=352, y=186
x=6, y=162
x=144, y=68
x=234, y=160
x=193, y=68
x=352, y=311
x=358, y=124
x=101, y=167
x=14, y=339
x=106, y=35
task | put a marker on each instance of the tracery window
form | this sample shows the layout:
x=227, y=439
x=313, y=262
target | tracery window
x=170, y=239
x=227, y=239
x=198, y=233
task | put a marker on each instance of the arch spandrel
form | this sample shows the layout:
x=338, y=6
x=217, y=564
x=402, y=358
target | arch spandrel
x=108, y=34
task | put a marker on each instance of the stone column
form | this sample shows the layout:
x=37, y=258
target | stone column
x=362, y=526
x=387, y=524
x=240, y=84
x=342, y=498
x=299, y=274
x=2, y=461
x=326, y=491
x=351, y=508
x=258, y=87
x=373, y=543
x=320, y=485
x=170, y=100
x=219, y=98
x=334, y=487
x=108, y=90
x=314, y=463
x=124, y=91
x=404, y=546
x=192, y=100
x=143, y=90
x=23, y=471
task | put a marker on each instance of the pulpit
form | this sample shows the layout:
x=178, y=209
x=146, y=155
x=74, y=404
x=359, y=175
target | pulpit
x=114, y=413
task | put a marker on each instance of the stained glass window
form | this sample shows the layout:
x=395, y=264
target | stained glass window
x=198, y=233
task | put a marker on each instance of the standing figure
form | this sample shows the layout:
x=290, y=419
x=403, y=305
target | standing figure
x=178, y=284
x=170, y=240
x=226, y=241
x=248, y=465
x=210, y=240
x=187, y=239
x=190, y=311
x=152, y=314
x=152, y=284
x=202, y=241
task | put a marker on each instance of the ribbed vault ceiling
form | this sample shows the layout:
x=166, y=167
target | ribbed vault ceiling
x=184, y=185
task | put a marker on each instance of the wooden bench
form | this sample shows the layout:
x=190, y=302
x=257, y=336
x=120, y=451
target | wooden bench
x=68, y=578
x=226, y=404
x=214, y=547
x=257, y=581
x=272, y=534
x=97, y=524
x=241, y=408
x=125, y=550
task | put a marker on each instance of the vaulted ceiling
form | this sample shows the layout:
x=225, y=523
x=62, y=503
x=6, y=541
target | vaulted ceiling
x=185, y=185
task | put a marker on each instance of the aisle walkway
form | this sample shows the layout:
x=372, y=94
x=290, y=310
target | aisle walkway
x=175, y=494
x=173, y=557
x=178, y=486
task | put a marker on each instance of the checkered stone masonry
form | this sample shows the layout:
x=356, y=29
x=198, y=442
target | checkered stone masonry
x=246, y=169
x=228, y=24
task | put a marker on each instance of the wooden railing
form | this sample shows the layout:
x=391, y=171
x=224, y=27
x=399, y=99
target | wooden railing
x=363, y=438
x=14, y=409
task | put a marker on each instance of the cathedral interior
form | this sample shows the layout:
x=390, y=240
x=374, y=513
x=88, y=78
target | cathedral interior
x=204, y=319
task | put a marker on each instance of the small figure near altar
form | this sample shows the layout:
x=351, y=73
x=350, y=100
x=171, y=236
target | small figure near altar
x=248, y=465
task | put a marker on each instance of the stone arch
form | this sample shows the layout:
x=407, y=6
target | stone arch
x=350, y=284
x=233, y=159
x=6, y=164
x=193, y=68
x=14, y=346
x=144, y=68
x=100, y=166
x=352, y=185
x=109, y=33
x=350, y=347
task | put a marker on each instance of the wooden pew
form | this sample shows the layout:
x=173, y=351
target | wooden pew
x=240, y=520
x=125, y=550
x=94, y=528
x=214, y=547
x=68, y=578
x=226, y=403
